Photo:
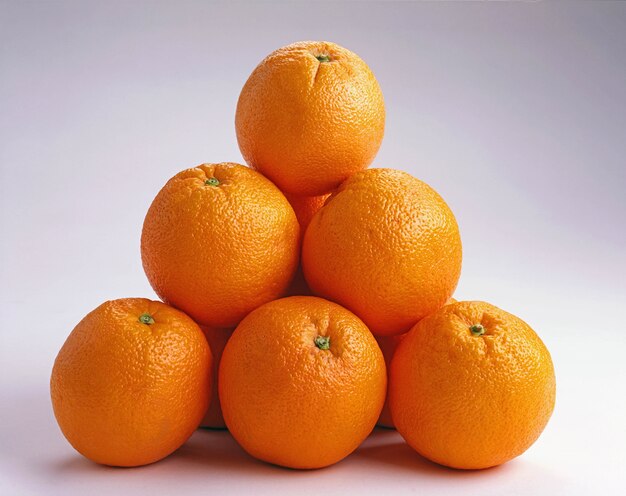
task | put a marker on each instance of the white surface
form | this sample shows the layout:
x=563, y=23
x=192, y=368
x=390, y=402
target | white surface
x=514, y=112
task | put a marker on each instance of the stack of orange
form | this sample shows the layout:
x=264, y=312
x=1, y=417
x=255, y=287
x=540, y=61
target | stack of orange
x=280, y=285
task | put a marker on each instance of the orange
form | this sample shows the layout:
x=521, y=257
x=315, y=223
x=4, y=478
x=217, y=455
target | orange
x=218, y=241
x=386, y=246
x=471, y=386
x=310, y=115
x=132, y=382
x=305, y=208
x=217, y=339
x=388, y=345
x=302, y=382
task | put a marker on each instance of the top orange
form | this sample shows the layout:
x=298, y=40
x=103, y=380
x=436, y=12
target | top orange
x=310, y=115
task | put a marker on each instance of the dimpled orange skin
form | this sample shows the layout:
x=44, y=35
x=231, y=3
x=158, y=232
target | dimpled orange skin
x=471, y=401
x=309, y=124
x=217, y=339
x=289, y=402
x=388, y=345
x=127, y=393
x=219, y=251
x=386, y=246
x=305, y=208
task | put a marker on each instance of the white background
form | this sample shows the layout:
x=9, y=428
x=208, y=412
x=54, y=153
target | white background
x=514, y=112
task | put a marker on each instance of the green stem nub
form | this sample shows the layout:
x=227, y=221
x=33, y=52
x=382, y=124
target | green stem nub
x=212, y=181
x=323, y=58
x=477, y=330
x=322, y=342
x=146, y=318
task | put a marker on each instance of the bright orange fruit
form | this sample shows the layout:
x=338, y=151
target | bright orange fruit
x=302, y=382
x=218, y=241
x=310, y=115
x=386, y=246
x=305, y=208
x=132, y=382
x=388, y=345
x=471, y=386
x=217, y=339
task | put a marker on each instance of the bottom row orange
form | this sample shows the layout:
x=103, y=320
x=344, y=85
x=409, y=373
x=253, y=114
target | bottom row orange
x=302, y=382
